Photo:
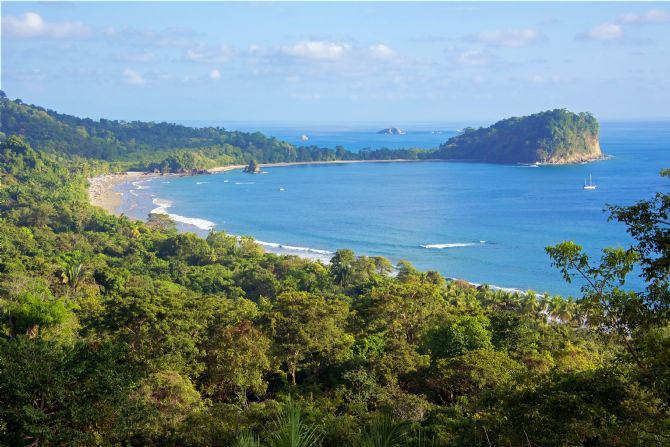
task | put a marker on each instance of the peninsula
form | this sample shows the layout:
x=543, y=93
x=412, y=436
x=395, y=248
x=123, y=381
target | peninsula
x=552, y=137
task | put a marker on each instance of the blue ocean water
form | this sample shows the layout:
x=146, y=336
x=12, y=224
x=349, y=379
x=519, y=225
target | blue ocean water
x=355, y=136
x=484, y=223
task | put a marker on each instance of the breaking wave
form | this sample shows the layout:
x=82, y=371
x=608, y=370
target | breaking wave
x=292, y=248
x=164, y=205
x=454, y=245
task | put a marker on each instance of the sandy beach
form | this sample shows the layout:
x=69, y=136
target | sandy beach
x=305, y=163
x=101, y=189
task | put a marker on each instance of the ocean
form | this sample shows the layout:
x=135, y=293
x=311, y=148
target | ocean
x=485, y=223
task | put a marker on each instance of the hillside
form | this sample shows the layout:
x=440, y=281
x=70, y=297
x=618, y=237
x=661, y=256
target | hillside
x=555, y=137
x=164, y=146
x=119, y=332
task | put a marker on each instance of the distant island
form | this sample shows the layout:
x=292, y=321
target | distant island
x=392, y=131
x=552, y=137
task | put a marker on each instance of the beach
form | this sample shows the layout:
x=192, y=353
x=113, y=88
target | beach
x=102, y=193
x=306, y=163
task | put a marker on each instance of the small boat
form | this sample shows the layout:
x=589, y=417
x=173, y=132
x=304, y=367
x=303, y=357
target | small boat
x=590, y=184
x=304, y=138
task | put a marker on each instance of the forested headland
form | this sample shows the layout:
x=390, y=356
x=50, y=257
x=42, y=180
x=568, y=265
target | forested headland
x=119, y=332
x=556, y=136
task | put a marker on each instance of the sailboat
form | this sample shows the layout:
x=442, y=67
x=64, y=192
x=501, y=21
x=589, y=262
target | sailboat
x=590, y=184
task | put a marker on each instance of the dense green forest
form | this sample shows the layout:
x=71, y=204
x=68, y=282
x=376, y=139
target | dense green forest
x=164, y=146
x=555, y=136
x=126, y=333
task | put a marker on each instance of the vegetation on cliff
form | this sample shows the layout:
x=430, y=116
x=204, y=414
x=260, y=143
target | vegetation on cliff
x=555, y=136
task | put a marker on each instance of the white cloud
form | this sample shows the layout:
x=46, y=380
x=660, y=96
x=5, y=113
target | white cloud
x=509, y=38
x=143, y=57
x=306, y=96
x=614, y=31
x=132, y=77
x=537, y=79
x=604, y=32
x=317, y=49
x=215, y=75
x=166, y=38
x=476, y=58
x=651, y=16
x=31, y=25
x=381, y=51
x=219, y=54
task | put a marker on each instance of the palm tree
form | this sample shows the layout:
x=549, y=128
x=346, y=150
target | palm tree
x=291, y=431
x=247, y=439
x=72, y=275
x=385, y=432
x=530, y=304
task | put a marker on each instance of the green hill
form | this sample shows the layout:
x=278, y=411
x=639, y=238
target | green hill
x=116, y=332
x=556, y=136
x=165, y=146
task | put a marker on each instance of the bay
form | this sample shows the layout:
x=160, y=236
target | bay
x=484, y=223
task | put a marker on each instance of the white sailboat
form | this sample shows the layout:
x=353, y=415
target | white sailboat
x=590, y=184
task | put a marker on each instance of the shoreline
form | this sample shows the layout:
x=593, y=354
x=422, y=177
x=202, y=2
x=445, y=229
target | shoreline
x=219, y=169
x=101, y=193
x=101, y=190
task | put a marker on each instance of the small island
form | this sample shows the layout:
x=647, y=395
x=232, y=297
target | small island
x=253, y=168
x=392, y=131
x=552, y=137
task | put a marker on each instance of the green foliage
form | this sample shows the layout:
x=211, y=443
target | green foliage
x=383, y=431
x=466, y=333
x=308, y=331
x=54, y=393
x=116, y=332
x=31, y=312
x=165, y=147
x=290, y=430
x=554, y=136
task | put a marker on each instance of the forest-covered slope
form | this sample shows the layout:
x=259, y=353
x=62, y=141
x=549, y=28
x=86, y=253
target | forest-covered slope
x=165, y=146
x=118, y=332
x=555, y=136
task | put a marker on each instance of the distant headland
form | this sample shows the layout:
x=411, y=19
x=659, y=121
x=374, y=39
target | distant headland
x=552, y=137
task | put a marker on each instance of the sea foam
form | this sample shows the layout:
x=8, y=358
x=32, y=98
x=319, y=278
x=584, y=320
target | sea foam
x=289, y=248
x=454, y=245
x=163, y=206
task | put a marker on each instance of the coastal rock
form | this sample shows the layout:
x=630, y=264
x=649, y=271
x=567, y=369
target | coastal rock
x=253, y=168
x=392, y=131
x=551, y=137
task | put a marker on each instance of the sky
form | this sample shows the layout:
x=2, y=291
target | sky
x=337, y=62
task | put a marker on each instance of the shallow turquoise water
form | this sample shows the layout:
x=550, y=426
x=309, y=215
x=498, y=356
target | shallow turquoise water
x=481, y=222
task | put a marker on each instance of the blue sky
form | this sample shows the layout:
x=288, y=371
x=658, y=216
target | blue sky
x=338, y=62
